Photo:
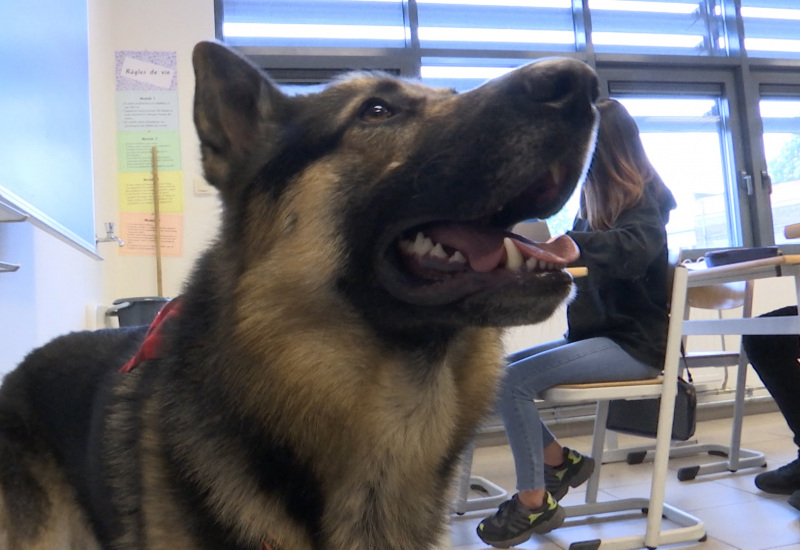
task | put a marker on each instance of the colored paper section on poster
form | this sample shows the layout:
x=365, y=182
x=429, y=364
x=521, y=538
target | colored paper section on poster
x=135, y=151
x=136, y=192
x=139, y=111
x=138, y=230
x=146, y=70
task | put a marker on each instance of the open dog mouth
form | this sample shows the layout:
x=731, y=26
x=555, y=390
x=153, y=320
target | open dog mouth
x=444, y=261
x=442, y=250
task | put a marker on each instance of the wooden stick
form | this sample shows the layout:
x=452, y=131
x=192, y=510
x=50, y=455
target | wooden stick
x=157, y=212
x=578, y=271
x=792, y=231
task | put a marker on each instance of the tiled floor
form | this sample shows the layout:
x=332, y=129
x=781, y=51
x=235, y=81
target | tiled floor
x=736, y=514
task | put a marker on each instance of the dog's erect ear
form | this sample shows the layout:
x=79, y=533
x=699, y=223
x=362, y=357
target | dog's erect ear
x=233, y=109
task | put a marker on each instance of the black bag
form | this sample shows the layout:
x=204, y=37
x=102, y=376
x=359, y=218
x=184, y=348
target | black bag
x=640, y=416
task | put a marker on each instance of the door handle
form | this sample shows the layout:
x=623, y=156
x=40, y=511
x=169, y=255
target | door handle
x=766, y=181
x=747, y=181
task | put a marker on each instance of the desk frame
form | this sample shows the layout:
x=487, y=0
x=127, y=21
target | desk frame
x=736, y=457
x=780, y=266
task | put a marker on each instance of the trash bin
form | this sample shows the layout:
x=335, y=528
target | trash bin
x=136, y=311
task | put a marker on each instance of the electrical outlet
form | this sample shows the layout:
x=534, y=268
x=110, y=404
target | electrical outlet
x=95, y=317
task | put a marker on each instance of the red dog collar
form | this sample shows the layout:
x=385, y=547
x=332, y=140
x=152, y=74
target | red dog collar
x=151, y=347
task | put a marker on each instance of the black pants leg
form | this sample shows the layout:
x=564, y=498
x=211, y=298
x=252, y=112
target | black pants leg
x=774, y=358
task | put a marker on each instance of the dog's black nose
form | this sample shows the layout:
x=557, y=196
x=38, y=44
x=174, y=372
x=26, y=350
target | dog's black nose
x=558, y=81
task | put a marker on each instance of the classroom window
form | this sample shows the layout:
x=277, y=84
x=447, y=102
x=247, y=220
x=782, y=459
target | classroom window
x=686, y=140
x=310, y=23
x=781, y=121
x=772, y=28
x=496, y=24
x=678, y=27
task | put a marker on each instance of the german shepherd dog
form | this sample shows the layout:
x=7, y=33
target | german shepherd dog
x=335, y=347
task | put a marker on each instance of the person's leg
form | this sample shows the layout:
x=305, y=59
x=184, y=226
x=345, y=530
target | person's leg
x=533, y=509
x=774, y=358
x=587, y=361
x=535, y=350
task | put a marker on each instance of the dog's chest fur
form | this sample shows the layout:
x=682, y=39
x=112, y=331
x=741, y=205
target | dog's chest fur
x=381, y=429
x=402, y=420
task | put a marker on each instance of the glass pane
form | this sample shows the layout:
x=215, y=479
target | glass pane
x=686, y=141
x=781, y=119
x=654, y=27
x=496, y=24
x=314, y=23
x=771, y=28
x=462, y=73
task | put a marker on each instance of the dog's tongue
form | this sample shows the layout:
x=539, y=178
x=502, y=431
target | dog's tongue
x=483, y=246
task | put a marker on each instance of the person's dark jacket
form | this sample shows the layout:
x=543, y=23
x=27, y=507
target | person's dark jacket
x=625, y=295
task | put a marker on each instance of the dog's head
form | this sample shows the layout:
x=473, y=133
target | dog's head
x=399, y=195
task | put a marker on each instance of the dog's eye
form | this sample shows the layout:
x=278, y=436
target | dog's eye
x=376, y=110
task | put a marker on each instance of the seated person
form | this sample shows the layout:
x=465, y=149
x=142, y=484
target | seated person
x=617, y=324
x=774, y=358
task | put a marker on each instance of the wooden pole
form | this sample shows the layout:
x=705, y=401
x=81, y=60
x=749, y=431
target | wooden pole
x=157, y=213
x=792, y=231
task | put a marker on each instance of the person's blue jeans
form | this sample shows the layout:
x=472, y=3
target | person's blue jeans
x=541, y=367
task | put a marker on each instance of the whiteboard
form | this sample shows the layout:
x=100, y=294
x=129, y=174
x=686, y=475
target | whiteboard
x=45, y=134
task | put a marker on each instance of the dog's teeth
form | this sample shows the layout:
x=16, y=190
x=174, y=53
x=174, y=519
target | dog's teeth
x=531, y=264
x=514, y=259
x=422, y=244
x=438, y=252
x=406, y=246
x=457, y=258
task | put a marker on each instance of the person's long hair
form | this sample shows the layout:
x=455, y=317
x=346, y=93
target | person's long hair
x=619, y=171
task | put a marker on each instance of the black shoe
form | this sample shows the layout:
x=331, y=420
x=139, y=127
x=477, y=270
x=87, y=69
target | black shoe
x=575, y=470
x=783, y=481
x=514, y=523
x=794, y=500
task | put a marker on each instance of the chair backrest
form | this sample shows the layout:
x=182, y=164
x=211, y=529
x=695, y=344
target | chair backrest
x=677, y=309
x=673, y=260
x=719, y=297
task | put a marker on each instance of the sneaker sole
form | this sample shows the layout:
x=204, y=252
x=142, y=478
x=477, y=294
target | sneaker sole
x=775, y=490
x=539, y=529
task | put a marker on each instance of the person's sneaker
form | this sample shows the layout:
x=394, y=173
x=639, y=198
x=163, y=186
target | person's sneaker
x=783, y=481
x=514, y=523
x=575, y=470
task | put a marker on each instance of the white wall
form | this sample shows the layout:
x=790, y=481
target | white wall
x=57, y=283
x=46, y=296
